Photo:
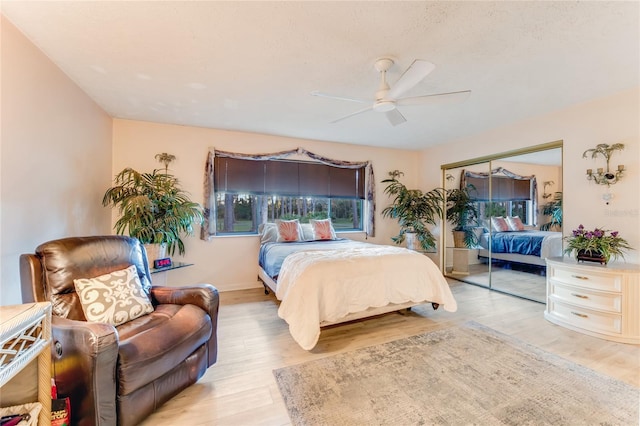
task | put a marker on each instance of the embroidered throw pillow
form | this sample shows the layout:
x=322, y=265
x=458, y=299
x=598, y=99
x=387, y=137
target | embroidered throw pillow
x=499, y=224
x=323, y=229
x=515, y=224
x=113, y=298
x=288, y=230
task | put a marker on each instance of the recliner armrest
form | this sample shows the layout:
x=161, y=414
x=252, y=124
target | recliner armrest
x=204, y=296
x=84, y=363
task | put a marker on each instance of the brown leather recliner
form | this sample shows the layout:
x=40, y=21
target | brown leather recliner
x=119, y=375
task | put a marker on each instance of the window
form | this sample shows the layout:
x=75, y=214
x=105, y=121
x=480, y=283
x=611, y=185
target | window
x=250, y=192
x=522, y=209
x=510, y=195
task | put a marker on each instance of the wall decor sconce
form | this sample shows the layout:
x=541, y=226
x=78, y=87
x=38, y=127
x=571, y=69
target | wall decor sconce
x=165, y=159
x=602, y=176
x=546, y=194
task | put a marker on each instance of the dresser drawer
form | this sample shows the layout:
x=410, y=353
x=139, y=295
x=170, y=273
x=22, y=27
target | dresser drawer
x=604, y=301
x=585, y=318
x=588, y=279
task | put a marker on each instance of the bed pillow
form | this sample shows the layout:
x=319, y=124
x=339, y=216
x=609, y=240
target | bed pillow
x=288, y=230
x=323, y=229
x=268, y=232
x=307, y=231
x=113, y=298
x=515, y=224
x=499, y=224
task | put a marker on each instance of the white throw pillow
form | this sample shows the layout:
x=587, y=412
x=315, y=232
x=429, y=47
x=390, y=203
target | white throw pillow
x=268, y=233
x=113, y=298
x=307, y=231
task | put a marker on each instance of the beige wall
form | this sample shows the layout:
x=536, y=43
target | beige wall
x=56, y=157
x=614, y=119
x=59, y=152
x=231, y=262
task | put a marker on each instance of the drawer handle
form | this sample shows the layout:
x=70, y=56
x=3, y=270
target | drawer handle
x=580, y=277
x=580, y=315
x=581, y=296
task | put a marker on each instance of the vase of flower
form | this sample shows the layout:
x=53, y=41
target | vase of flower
x=599, y=245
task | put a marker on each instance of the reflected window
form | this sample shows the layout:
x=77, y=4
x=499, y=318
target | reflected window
x=503, y=193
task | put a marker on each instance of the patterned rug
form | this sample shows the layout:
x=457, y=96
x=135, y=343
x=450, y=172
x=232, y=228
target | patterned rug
x=457, y=376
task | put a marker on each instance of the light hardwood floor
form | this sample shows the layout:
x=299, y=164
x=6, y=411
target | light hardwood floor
x=240, y=388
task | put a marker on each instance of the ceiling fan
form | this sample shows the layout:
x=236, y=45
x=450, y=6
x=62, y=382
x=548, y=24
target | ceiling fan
x=387, y=98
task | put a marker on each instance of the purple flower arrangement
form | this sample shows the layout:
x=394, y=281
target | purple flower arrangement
x=596, y=243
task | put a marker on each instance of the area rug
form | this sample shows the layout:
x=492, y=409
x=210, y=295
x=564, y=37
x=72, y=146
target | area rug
x=463, y=375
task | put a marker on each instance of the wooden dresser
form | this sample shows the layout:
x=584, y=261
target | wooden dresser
x=598, y=300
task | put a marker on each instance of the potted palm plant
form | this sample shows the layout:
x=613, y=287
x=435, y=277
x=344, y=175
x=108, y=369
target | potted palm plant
x=414, y=210
x=553, y=208
x=462, y=214
x=153, y=208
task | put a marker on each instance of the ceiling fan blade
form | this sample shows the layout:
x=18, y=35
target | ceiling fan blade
x=360, y=111
x=395, y=117
x=436, y=99
x=412, y=76
x=341, y=98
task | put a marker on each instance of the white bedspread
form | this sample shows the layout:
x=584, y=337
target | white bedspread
x=316, y=286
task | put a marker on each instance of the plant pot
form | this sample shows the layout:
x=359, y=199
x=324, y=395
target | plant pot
x=458, y=239
x=412, y=241
x=591, y=256
x=155, y=251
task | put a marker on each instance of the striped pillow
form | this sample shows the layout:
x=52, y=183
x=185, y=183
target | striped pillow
x=499, y=224
x=515, y=224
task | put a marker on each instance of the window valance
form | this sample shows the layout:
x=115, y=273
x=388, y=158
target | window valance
x=316, y=177
x=288, y=178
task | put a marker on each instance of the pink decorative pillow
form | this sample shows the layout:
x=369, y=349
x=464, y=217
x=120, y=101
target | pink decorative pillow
x=499, y=224
x=288, y=231
x=323, y=229
x=515, y=224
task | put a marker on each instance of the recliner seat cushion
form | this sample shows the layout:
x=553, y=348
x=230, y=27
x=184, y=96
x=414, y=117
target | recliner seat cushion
x=154, y=344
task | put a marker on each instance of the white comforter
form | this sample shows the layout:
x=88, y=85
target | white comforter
x=316, y=286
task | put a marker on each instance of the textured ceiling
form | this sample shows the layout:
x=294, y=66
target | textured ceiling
x=251, y=66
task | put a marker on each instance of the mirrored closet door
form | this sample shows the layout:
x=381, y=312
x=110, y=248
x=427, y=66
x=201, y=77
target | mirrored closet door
x=512, y=223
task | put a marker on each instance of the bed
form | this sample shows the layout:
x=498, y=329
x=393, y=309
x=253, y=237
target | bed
x=529, y=247
x=327, y=282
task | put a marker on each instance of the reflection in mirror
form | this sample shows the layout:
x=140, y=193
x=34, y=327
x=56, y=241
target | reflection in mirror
x=518, y=251
x=519, y=204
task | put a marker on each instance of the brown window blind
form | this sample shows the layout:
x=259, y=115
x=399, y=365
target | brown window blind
x=502, y=189
x=287, y=178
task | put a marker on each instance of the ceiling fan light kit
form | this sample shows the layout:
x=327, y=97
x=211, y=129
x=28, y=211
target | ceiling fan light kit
x=384, y=105
x=388, y=98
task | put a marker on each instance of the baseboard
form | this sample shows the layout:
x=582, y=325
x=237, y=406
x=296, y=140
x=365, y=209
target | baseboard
x=240, y=286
